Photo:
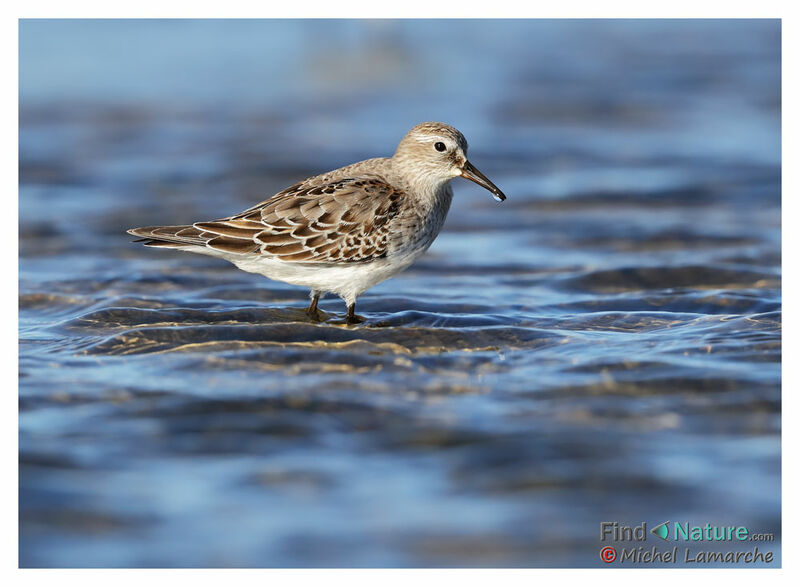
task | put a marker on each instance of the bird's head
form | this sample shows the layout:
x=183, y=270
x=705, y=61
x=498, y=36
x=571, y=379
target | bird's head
x=435, y=153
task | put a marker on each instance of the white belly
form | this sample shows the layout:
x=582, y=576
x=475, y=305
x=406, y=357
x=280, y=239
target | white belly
x=347, y=280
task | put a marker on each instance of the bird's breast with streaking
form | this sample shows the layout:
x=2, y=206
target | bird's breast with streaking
x=416, y=227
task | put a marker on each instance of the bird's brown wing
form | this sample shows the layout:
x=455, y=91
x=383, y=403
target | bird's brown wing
x=342, y=221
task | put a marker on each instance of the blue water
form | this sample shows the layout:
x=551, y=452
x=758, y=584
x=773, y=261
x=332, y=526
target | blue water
x=604, y=345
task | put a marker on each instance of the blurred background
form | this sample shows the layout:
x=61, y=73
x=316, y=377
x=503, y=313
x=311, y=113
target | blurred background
x=603, y=346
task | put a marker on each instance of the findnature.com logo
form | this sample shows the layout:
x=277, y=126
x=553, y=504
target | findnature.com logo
x=682, y=532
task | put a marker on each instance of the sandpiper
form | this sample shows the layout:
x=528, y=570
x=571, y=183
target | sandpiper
x=345, y=230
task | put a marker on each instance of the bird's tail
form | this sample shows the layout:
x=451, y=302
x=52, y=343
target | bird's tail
x=169, y=236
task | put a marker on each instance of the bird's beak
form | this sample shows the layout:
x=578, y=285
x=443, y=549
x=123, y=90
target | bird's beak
x=471, y=173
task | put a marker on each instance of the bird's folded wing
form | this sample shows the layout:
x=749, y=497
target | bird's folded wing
x=343, y=221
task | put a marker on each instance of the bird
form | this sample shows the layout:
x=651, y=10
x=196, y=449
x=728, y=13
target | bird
x=343, y=231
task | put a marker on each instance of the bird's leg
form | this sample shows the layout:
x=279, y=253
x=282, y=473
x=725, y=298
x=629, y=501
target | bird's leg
x=312, y=310
x=351, y=315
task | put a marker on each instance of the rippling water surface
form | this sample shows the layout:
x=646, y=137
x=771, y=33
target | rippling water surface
x=605, y=345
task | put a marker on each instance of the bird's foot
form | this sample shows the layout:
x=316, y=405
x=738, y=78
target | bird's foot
x=315, y=315
x=313, y=311
x=354, y=319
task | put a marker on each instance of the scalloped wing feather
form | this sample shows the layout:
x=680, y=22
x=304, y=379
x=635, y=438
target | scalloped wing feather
x=338, y=221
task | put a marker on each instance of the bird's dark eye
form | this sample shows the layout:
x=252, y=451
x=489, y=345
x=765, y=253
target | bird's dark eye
x=440, y=147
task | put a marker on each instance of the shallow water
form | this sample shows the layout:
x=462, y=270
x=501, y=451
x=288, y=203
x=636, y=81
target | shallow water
x=604, y=345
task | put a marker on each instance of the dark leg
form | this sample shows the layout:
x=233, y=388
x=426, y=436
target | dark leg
x=351, y=315
x=312, y=310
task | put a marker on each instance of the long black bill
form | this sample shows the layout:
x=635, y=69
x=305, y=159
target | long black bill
x=471, y=173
